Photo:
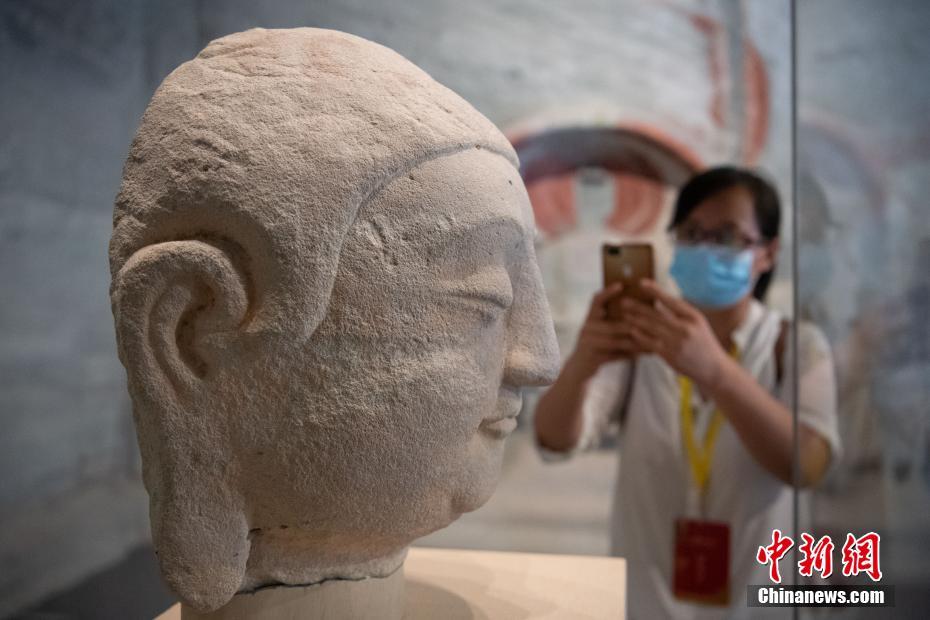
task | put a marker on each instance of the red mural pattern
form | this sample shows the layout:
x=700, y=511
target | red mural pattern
x=637, y=204
x=638, y=200
x=553, y=200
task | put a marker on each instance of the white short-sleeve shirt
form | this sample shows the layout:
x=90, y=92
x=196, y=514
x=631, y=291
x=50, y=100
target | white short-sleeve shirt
x=653, y=481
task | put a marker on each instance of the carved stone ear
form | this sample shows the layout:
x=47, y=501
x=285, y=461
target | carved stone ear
x=200, y=535
x=177, y=305
x=166, y=298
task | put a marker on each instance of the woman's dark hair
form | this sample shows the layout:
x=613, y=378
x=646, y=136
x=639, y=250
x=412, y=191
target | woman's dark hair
x=765, y=202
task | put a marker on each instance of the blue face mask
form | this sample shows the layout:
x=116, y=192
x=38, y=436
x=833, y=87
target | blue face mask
x=712, y=276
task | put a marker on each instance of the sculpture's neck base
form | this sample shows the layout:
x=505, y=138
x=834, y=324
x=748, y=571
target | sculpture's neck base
x=376, y=598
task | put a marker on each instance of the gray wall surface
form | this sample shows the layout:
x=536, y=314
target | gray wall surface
x=70, y=95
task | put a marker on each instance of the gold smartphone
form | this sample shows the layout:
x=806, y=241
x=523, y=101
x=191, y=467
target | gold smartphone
x=627, y=263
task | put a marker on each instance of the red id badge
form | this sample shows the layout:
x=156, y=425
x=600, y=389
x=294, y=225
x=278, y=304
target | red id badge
x=701, y=573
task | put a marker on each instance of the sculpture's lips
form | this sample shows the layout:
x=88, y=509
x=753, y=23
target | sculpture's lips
x=509, y=404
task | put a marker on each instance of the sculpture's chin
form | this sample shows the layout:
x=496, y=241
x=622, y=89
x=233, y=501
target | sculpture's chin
x=482, y=473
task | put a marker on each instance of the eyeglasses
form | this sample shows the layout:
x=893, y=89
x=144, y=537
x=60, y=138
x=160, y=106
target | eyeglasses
x=727, y=236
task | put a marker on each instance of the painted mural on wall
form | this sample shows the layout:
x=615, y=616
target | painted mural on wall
x=609, y=173
x=863, y=245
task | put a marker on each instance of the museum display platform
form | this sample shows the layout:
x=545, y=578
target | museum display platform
x=455, y=584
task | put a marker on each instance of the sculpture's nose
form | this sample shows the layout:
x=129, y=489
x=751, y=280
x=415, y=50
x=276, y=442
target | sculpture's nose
x=533, y=352
x=526, y=368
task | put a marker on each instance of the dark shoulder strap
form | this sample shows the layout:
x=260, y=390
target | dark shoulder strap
x=627, y=393
x=780, y=345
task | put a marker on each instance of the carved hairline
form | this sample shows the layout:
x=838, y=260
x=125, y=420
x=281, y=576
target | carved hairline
x=415, y=163
x=221, y=239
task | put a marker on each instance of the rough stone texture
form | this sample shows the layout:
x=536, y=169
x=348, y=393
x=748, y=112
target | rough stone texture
x=327, y=300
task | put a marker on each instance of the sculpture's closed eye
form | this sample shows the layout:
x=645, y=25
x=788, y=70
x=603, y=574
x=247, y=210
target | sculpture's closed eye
x=488, y=305
x=501, y=299
x=489, y=291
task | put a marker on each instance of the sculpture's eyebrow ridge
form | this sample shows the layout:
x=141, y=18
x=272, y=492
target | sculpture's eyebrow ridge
x=506, y=230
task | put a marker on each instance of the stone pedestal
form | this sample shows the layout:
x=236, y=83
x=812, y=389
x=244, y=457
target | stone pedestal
x=365, y=599
x=452, y=584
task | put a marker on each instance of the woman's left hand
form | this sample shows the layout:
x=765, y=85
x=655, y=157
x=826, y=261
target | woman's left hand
x=677, y=332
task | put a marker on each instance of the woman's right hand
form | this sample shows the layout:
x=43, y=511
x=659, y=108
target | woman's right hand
x=601, y=340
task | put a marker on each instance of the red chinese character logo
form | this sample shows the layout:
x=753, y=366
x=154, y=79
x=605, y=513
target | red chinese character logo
x=817, y=556
x=773, y=553
x=860, y=555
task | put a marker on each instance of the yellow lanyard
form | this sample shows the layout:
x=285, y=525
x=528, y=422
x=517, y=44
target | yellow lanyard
x=699, y=458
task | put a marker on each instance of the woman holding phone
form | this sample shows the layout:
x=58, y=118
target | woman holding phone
x=700, y=389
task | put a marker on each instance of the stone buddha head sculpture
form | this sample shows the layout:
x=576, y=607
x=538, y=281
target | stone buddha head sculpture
x=327, y=302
